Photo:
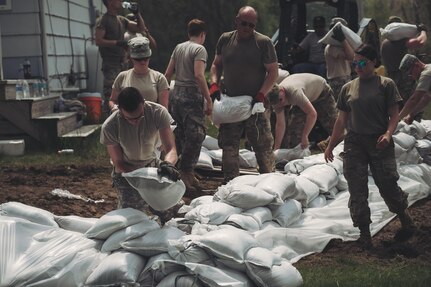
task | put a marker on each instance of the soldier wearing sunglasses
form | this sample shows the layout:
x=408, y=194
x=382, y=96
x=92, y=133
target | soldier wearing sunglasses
x=368, y=109
x=248, y=62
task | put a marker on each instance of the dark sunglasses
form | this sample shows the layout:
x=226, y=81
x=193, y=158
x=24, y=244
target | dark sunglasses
x=245, y=24
x=360, y=64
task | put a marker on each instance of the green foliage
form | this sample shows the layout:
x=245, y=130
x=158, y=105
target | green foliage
x=353, y=273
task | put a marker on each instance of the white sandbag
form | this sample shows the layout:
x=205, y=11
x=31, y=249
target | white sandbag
x=260, y=214
x=262, y=257
x=284, y=251
x=218, y=276
x=160, y=193
x=418, y=130
x=406, y=141
x=244, y=222
x=342, y=183
x=319, y=201
x=113, y=221
x=245, y=196
x=247, y=179
x=75, y=223
x=279, y=184
x=186, y=251
x=307, y=190
x=402, y=127
x=118, y=268
x=299, y=165
x=323, y=175
x=399, y=150
x=282, y=74
x=424, y=147
x=427, y=125
x=290, y=154
x=180, y=279
x=287, y=213
x=216, y=155
x=52, y=254
x=230, y=244
x=154, y=242
x=213, y=213
x=204, y=160
x=270, y=225
x=331, y=193
x=397, y=31
x=113, y=242
x=410, y=157
x=158, y=267
x=196, y=202
x=203, y=228
x=281, y=275
x=231, y=109
x=352, y=38
x=247, y=159
x=210, y=143
x=417, y=172
x=31, y=213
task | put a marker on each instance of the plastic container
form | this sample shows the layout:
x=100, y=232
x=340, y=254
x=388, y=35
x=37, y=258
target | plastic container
x=93, y=102
x=19, y=94
x=66, y=151
x=25, y=89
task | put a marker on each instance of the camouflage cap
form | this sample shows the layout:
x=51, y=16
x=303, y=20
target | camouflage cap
x=139, y=47
x=407, y=63
x=273, y=95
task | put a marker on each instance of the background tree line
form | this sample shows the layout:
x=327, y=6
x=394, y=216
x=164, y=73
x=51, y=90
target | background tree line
x=167, y=20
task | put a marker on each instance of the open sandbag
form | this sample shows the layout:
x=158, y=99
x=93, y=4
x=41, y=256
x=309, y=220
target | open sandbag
x=352, y=38
x=117, y=269
x=113, y=221
x=397, y=31
x=231, y=109
x=159, y=192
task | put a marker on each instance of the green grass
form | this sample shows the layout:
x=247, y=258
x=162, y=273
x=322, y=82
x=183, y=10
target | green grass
x=350, y=273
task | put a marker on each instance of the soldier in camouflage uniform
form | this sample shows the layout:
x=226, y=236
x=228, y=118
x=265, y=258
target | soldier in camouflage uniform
x=369, y=110
x=188, y=99
x=308, y=97
x=248, y=62
x=109, y=36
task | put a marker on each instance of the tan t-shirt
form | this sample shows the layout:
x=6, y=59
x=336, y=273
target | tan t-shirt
x=136, y=141
x=336, y=63
x=302, y=88
x=367, y=101
x=424, y=82
x=149, y=85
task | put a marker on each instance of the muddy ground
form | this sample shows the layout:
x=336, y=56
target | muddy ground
x=32, y=186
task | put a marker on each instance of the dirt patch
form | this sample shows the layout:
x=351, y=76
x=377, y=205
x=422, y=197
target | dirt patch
x=33, y=186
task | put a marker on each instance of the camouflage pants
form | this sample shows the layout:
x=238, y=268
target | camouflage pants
x=326, y=115
x=405, y=86
x=110, y=70
x=126, y=194
x=258, y=131
x=337, y=83
x=187, y=109
x=359, y=152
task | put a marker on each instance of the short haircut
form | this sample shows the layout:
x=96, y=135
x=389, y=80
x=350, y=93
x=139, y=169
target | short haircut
x=129, y=99
x=195, y=27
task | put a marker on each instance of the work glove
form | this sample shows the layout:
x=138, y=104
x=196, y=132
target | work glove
x=134, y=8
x=421, y=27
x=168, y=170
x=337, y=34
x=214, y=92
x=258, y=107
x=121, y=43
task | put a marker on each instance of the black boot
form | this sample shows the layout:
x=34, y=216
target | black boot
x=408, y=227
x=364, y=240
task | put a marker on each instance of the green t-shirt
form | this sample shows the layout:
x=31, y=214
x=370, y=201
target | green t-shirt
x=185, y=55
x=114, y=27
x=367, y=101
x=136, y=141
x=243, y=62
